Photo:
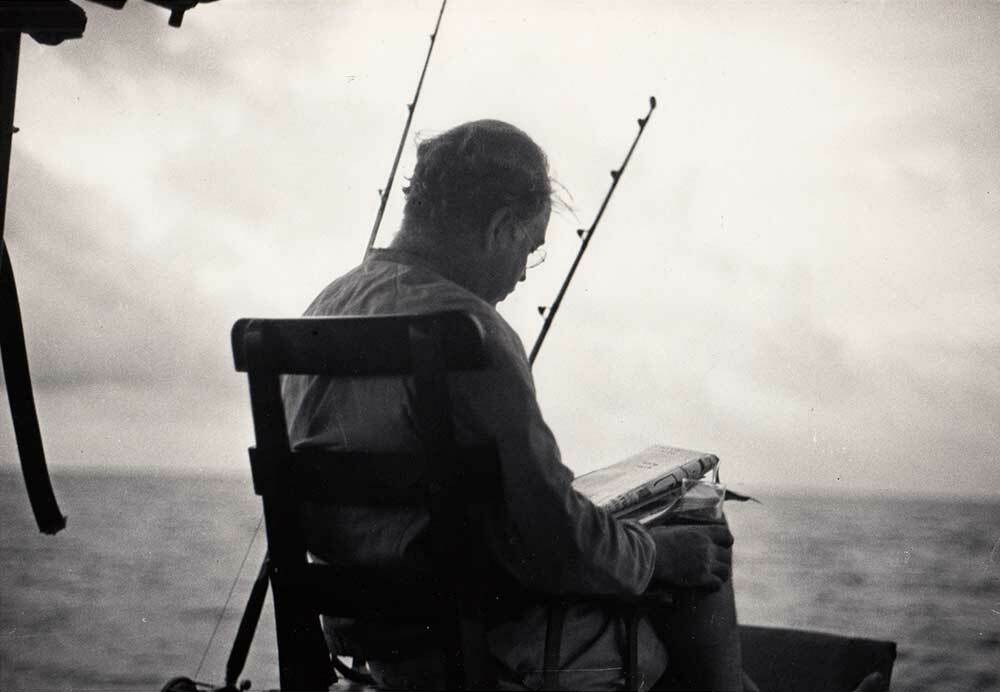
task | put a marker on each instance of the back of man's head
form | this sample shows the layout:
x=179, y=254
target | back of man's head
x=463, y=176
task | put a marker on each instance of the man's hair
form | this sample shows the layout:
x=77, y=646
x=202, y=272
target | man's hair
x=463, y=176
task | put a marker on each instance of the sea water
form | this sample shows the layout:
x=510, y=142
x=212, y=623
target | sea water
x=129, y=593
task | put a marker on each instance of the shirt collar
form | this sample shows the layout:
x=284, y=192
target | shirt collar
x=412, y=259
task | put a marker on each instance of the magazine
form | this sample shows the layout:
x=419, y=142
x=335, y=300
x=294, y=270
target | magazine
x=645, y=486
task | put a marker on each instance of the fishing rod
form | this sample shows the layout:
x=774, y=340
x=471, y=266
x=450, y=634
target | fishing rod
x=585, y=235
x=410, y=107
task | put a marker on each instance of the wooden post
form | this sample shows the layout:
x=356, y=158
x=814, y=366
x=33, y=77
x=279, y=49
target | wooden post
x=10, y=49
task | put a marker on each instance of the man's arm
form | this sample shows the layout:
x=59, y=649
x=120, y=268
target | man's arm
x=548, y=536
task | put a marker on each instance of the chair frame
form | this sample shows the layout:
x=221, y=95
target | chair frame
x=447, y=478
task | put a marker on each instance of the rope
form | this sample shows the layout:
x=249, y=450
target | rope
x=229, y=596
x=23, y=414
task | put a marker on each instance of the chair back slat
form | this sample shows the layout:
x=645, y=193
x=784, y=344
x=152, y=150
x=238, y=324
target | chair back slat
x=356, y=592
x=328, y=345
x=359, y=479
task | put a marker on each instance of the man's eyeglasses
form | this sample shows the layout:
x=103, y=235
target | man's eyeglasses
x=536, y=256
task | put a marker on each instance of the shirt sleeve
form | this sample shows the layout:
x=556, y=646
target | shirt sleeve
x=547, y=535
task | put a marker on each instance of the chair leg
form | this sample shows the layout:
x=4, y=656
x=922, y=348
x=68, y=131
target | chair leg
x=303, y=659
x=632, y=659
x=553, y=645
x=478, y=664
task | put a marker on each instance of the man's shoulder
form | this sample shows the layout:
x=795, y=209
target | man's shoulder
x=388, y=287
x=385, y=288
x=382, y=287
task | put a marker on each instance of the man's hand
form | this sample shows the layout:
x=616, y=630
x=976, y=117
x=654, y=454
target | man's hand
x=693, y=555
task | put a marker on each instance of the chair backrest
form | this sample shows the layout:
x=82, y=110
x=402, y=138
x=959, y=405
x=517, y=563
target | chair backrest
x=447, y=479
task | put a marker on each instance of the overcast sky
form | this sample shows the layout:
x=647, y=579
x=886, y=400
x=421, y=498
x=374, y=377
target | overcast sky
x=798, y=272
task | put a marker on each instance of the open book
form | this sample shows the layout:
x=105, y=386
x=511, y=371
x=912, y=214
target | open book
x=644, y=486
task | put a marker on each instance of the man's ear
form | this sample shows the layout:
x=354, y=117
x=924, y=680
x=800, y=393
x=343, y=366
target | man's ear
x=499, y=229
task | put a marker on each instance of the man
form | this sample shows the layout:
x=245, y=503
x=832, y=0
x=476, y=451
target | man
x=477, y=209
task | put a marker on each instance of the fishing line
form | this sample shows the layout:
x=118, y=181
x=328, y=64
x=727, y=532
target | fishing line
x=585, y=235
x=410, y=107
x=229, y=596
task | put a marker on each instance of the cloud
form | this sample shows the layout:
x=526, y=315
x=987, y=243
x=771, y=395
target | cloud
x=96, y=306
x=798, y=270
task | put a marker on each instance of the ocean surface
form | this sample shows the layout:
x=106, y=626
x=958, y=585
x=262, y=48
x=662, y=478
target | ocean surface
x=128, y=595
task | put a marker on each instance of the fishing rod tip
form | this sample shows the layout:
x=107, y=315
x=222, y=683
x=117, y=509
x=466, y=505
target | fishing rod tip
x=652, y=102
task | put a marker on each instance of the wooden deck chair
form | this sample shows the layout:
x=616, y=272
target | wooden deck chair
x=448, y=479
